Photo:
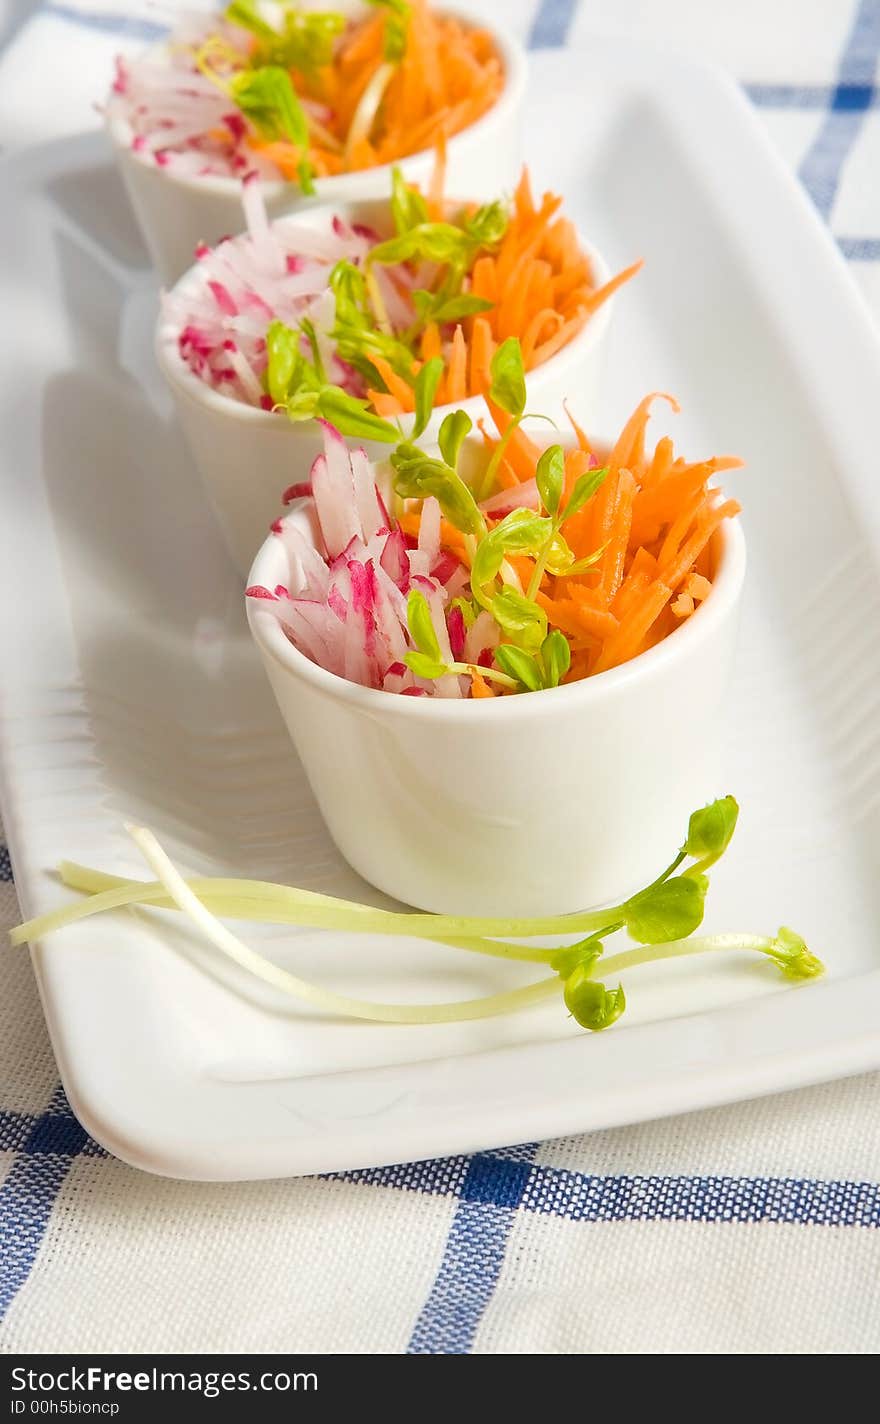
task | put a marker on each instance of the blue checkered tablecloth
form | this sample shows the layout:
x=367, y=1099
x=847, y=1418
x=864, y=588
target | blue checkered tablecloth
x=751, y=1228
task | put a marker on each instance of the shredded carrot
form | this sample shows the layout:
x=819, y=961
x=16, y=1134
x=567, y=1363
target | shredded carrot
x=641, y=572
x=574, y=615
x=636, y=590
x=438, y=181
x=431, y=346
x=634, y=627
x=456, y=372
x=677, y=570
x=482, y=351
x=613, y=560
x=601, y=294
x=479, y=685
x=397, y=386
x=384, y=404
x=449, y=75
x=698, y=587
x=540, y=286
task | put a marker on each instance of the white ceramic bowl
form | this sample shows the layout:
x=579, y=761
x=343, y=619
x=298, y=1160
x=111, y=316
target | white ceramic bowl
x=248, y=457
x=544, y=803
x=178, y=211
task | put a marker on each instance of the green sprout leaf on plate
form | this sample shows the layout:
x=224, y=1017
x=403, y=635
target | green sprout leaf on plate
x=711, y=829
x=670, y=910
x=570, y=969
x=590, y=1004
x=789, y=951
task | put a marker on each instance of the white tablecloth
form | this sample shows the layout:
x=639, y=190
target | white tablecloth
x=747, y=1229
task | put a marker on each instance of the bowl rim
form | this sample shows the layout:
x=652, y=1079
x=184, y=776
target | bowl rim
x=179, y=375
x=678, y=646
x=515, y=63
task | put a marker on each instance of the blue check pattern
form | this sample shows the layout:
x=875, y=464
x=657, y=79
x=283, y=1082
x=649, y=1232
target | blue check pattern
x=492, y=1191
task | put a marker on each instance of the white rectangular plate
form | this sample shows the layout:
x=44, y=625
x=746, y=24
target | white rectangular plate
x=131, y=692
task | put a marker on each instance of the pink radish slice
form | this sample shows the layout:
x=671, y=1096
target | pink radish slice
x=429, y=531
x=334, y=500
x=522, y=496
x=365, y=492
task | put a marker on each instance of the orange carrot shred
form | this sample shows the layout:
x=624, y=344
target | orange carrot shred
x=479, y=685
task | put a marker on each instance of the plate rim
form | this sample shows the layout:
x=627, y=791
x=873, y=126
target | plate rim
x=792, y=1040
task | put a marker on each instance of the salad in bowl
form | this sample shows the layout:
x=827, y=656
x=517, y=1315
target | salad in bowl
x=318, y=102
x=377, y=316
x=583, y=592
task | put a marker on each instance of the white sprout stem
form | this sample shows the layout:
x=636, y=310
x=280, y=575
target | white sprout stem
x=368, y=106
x=97, y=881
x=323, y=134
x=262, y=968
x=306, y=907
x=98, y=884
x=679, y=949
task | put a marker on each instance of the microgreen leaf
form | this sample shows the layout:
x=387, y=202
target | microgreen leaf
x=358, y=342
x=466, y=608
x=549, y=477
x=519, y=665
x=309, y=37
x=423, y=665
x=711, y=829
x=267, y=97
x=556, y=657
x=306, y=43
x=581, y=566
x=590, y=1003
x=488, y=224
x=585, y=486
x=350, y=293
x=302, y=404
x=520, y=532
x=284, y=361
x=558, y=558
x=245, y=14
x=454, y=308
x=353, y=417
x=421, y=626
x=426, y=385
x=307, y=328
x=521, y=619
x=670, y=910
x=584, y=953
x=419, y=475
x=789, y=952
x=408, y=207
x=456, y=425
x=396, y=27
x=428, y=242
x=508, y=386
